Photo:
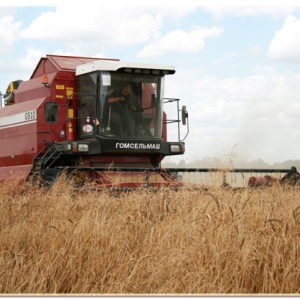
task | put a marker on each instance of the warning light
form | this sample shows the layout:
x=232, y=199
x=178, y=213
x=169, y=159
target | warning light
x=45, y=81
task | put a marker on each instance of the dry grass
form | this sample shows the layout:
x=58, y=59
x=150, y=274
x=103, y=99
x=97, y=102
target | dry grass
x=189, y=242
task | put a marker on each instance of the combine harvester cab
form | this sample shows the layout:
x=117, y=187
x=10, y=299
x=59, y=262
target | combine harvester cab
x=101, y=120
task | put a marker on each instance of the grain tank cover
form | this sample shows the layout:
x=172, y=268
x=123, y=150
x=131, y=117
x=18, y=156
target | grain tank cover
x=127, y=67
x=59, y=63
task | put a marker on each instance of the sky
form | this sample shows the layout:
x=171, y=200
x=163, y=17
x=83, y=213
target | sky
x=237, y=66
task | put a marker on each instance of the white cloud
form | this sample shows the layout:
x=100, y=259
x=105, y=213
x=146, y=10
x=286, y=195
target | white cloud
x=19, y=3
x=250, y=10
x=21, y=67
x=286, y=43
x=30, y=59
x=9, y=32
x=97, y=25
x=180, y=41
x=92, y=3
x=101, y=24
x=259, y=112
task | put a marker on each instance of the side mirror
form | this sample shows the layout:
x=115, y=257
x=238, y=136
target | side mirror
x=184, y=115
x=50, y=112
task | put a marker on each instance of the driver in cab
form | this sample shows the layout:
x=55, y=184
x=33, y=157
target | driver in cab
x=122, y=107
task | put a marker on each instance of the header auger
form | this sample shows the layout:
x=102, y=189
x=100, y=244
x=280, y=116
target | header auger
x=103, y=123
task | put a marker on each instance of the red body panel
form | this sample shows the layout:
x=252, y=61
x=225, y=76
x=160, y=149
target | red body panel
x=15, y=174
x=20, y=134
x=22, y=127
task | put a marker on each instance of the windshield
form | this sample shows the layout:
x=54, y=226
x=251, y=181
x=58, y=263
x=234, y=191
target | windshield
x=120, y=105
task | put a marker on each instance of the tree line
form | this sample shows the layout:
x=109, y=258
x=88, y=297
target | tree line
x=230, y=163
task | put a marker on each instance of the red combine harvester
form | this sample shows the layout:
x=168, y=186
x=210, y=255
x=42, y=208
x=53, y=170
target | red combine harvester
x=100, y=120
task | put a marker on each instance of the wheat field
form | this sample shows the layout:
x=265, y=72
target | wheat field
x=190, y=242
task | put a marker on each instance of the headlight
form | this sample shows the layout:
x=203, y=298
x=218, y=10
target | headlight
x=175, y=148
x=83, y=148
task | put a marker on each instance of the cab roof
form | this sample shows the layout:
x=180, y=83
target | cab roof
x=127, y=67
